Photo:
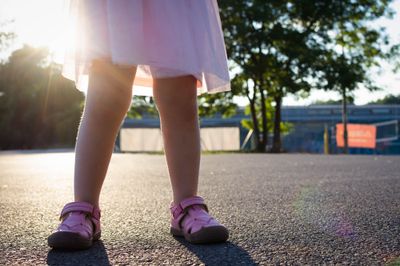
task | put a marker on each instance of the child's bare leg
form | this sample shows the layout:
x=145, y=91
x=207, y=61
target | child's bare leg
x=108, y=100
x=176, y=100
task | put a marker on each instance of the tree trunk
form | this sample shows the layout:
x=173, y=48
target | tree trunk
x=264, y=140
x=277, y=144
x=344, y=121
x=259, y=145
x=252, y=101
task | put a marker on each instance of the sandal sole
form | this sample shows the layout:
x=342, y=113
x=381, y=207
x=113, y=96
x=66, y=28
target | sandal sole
x=212, y=234
x=70, y=240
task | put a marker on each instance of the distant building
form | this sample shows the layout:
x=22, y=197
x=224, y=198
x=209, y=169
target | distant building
x=308, y=127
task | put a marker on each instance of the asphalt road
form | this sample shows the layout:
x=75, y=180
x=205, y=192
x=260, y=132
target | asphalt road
x=280, y=209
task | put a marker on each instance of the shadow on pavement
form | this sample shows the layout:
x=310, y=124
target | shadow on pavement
x=96, y=255
x=219, y=254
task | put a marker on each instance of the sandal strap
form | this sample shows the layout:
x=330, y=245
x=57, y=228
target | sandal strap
x=83, y=207
x=179, y=210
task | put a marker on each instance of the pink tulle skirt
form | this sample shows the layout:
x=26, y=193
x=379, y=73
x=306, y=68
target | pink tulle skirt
x=162, y=38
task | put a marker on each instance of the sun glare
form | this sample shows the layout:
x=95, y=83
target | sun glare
x=38, y=23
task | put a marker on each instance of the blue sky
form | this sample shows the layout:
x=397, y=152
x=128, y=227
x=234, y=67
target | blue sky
x=38, y=22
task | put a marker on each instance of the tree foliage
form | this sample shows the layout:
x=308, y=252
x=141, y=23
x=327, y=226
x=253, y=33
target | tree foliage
x=219, y=103
x=350, y=100
x=389, y=99
x=140, y=106
x=6, y=36
x=38, y=107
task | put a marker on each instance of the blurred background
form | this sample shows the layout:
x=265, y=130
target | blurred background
x=307, y=76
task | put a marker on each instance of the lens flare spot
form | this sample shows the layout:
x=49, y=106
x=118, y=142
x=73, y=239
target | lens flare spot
x=312, y=207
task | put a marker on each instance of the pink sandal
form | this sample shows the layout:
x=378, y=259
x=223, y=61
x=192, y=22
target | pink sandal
x=80, y=226
x=190, y=219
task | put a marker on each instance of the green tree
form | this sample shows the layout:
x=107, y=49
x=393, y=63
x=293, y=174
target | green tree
x=38, y=107
x=283, y=47
x=350, y=100
x=270, y=43
x=388, y=99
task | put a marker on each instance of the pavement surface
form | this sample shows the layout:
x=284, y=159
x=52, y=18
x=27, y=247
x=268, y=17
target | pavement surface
x=280, y=210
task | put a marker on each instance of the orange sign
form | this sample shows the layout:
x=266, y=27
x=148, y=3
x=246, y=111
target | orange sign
x=359, y=136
